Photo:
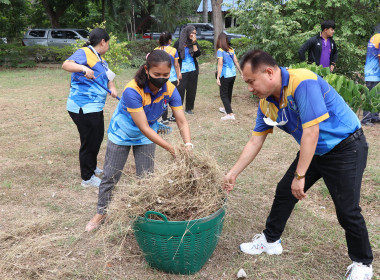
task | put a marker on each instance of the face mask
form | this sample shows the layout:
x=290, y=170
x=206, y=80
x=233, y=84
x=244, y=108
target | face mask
x=157, y=82
x=284, y=120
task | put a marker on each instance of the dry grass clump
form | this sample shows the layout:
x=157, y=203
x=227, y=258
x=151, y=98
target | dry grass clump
x=187, y=189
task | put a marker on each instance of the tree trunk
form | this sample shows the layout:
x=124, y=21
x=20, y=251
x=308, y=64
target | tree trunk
x=103, y=9
x=54, y=16
x=217, y=18
x=205, y=10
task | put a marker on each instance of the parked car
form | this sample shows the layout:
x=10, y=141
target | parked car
x=205, y=31
x=54, y=37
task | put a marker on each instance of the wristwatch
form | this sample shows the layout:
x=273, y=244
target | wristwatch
x=298, y=176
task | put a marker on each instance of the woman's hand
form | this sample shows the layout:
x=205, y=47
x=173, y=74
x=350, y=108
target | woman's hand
x=218, y=81
x=88, y=73
x=113, y=92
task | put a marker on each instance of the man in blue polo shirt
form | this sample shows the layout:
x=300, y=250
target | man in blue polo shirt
x=332, y=147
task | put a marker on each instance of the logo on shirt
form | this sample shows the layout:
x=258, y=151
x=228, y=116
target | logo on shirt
x=291, y=104
x=165, y=104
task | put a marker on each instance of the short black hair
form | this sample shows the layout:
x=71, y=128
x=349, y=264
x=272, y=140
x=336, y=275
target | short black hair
x=328, y=24
x=257, y=58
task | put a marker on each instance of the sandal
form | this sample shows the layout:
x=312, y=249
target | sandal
x=93, y=225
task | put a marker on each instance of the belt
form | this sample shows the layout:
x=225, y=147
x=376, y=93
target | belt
x=354, y=136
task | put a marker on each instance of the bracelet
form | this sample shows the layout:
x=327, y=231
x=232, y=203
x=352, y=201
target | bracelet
x=189, y=144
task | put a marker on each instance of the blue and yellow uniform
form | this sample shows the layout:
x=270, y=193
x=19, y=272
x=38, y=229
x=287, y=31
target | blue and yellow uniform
x=228, y=69
x=188, y=63
x=123, y=130
x=84, y=93
x=173, y=56
x=372, y=67
x=306, y=99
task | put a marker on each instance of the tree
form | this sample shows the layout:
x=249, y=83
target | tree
x=217, y=18
x=14, y=18
x=281, y=29
x=205, y=11
x=55, y=9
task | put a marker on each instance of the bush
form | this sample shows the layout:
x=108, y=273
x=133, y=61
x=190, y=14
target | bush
x=138, y=51
x=241, y=46
x=14, y=55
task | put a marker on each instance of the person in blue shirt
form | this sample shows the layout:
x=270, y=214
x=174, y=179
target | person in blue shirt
x=175, y=73
x=372, y=75
x=87, y=98
x=226, y=74
x=332, y=147
x=188, y=51
x=134, y=126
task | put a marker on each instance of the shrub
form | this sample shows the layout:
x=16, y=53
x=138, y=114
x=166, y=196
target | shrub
x=241, y=46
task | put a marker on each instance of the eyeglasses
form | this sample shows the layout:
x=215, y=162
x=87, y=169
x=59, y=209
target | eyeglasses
x=270, y=122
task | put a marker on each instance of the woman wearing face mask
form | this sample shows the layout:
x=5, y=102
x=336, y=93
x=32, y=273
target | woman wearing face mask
x=87, y=98
x=188, y=51
x=175, y=73
x=134, y=126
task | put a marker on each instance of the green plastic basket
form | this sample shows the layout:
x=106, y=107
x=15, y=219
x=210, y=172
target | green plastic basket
x=180, y=247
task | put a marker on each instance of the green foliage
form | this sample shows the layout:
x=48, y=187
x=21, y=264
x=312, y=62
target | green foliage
x=356, y=95
x=241, y=45
x=117, y=54
x=14, y=18
x=282, y=29
x=14, y=55
x=138, y=51
x=206, y=47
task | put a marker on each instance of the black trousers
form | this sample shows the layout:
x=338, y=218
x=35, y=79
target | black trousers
x=188, y=85
x=368, y=116
x=91, y=131
x=226, y=87
x=165, y=114
x=342, y=170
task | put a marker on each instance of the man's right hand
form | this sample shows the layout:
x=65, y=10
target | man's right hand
x=229, y=182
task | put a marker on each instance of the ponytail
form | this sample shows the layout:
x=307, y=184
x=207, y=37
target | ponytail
x=141, y=77
x=96, y=36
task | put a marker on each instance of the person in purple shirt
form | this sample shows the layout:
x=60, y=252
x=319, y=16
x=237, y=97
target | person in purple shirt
x=321, y=48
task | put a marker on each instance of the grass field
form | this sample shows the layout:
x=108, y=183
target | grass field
x=44, y=209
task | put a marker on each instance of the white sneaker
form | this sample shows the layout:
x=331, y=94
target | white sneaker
x=92, y=182
x=359, y=271
x=228, y=117
x=98, y=171
x=222, y=110
x=259, y=245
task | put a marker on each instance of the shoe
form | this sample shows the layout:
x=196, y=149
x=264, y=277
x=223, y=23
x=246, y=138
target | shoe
x=92, y=182
x=98, y=171
x=189, y=112
x=164, y=129
x=359, y=271
x=172, y=119
x=93, y=225
x=259, y=245
x=165, y=122
x=367, y=124
x=228, y=117
x=222, y=110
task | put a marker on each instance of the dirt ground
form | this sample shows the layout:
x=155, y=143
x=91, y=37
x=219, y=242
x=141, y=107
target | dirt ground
x=44, y=209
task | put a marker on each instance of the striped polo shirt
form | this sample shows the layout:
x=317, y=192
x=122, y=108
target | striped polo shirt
x=307, y=99
x=123, y=130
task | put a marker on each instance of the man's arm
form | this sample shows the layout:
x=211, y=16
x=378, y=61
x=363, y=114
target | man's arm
x=305, y=47
x=334, y=57
x=250, y=151
x=309, y=142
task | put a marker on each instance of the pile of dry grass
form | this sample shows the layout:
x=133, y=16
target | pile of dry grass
x=187, y=189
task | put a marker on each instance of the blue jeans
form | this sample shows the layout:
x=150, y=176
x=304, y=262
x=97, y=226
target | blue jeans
x=342, y=171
